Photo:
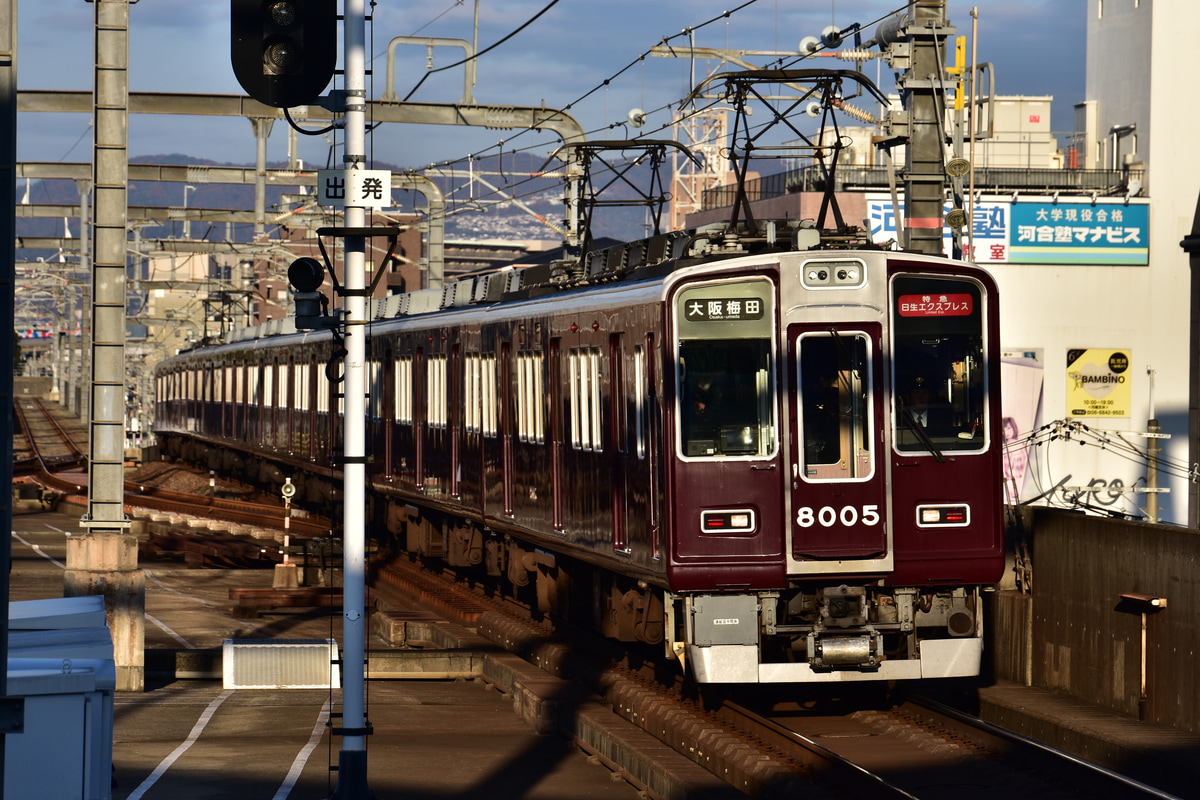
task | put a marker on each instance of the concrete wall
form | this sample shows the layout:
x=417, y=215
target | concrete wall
x=32, y=387
x=1073, y=633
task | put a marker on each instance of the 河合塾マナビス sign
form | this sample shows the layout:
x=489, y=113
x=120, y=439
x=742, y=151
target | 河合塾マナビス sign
x=1039, y=230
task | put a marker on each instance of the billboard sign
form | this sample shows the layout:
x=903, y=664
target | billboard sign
x=1041, y=230
x=1098, y=383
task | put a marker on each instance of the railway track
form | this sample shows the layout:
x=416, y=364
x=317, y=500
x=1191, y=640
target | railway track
x=42, y=445
x=922, y=749
x=826, y=746
x=51, y=466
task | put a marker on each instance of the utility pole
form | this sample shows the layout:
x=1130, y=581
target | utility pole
x=11, y=711
x=922, y=87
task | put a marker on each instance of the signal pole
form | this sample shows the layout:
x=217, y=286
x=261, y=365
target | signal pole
x=352, y=758
x=283, y=54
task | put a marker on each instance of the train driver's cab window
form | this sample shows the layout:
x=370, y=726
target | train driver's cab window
x=836, y=419
x=725, y=334
x=939, y=383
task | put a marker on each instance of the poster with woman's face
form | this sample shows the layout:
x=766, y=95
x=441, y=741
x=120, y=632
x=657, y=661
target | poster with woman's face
x=1021, y=376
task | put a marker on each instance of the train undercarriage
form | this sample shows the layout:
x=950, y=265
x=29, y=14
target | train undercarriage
x=811, y=632
x=808, y=633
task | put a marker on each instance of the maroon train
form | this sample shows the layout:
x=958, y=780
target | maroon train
x=688, y=441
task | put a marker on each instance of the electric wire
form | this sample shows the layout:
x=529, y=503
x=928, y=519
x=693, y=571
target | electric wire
x=489, y=48
x=1035, y=448
x=664, y=41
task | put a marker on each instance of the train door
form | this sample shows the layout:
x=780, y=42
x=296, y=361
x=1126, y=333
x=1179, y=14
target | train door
x=647, y=434
x=619, y=452
x=454, y=424
x=557, y=433
x=725, y=480
x=507, y=423
x=839, y=502
x=420, y=412
x=387, y=427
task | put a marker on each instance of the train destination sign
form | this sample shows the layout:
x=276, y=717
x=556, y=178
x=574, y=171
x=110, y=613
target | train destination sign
x=727, y=308
x=935, y=305
x=723, y=309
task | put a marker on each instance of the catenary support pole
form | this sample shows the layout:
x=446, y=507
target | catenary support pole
x=8, y=271
x=103, y=560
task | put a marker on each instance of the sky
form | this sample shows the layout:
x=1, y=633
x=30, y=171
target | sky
x=561, y=60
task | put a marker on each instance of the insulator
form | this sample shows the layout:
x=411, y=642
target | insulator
x=855, y=55
x=857, y=113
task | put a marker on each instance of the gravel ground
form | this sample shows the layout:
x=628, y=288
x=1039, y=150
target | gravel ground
x=179, y=478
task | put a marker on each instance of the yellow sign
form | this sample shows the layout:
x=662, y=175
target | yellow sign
x=1098, y=383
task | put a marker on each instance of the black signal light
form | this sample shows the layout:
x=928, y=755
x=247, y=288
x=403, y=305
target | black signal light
x=283, y=52
x=306, y=275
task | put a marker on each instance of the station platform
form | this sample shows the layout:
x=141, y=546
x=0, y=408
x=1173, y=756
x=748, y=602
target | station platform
x=471, y=722
x=1156, y=755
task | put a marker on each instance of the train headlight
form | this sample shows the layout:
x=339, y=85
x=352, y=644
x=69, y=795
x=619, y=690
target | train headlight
x=833, y=274
x=943, y=515
x=739, y=521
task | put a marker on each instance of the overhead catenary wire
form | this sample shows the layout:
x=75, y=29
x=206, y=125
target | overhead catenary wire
x=687, y=32
x=489, y=48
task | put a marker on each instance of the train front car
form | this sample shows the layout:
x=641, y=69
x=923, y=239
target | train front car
x=835, y=480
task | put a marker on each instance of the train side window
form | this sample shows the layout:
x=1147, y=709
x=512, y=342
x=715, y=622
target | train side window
x=836, y=418
x=490, y=413
x=323, y=397
x=531, y=425
x=375, y=390
x=302, y=377
x=639, y=400
x=284, y=393
x=404, y=390
x=436, y=400
x=480, y=394
x=586, y=433
x=472, y=400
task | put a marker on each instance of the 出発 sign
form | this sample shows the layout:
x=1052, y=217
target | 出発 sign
x=356, y=188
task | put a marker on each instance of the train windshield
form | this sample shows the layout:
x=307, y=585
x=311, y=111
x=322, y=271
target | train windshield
x=939, y=388
x=725, y=340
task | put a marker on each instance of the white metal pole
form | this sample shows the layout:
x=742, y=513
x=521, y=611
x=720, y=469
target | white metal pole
x=352, y=761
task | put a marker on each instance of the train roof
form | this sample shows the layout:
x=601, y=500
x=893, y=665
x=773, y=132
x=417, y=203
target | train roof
x=621, y=263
